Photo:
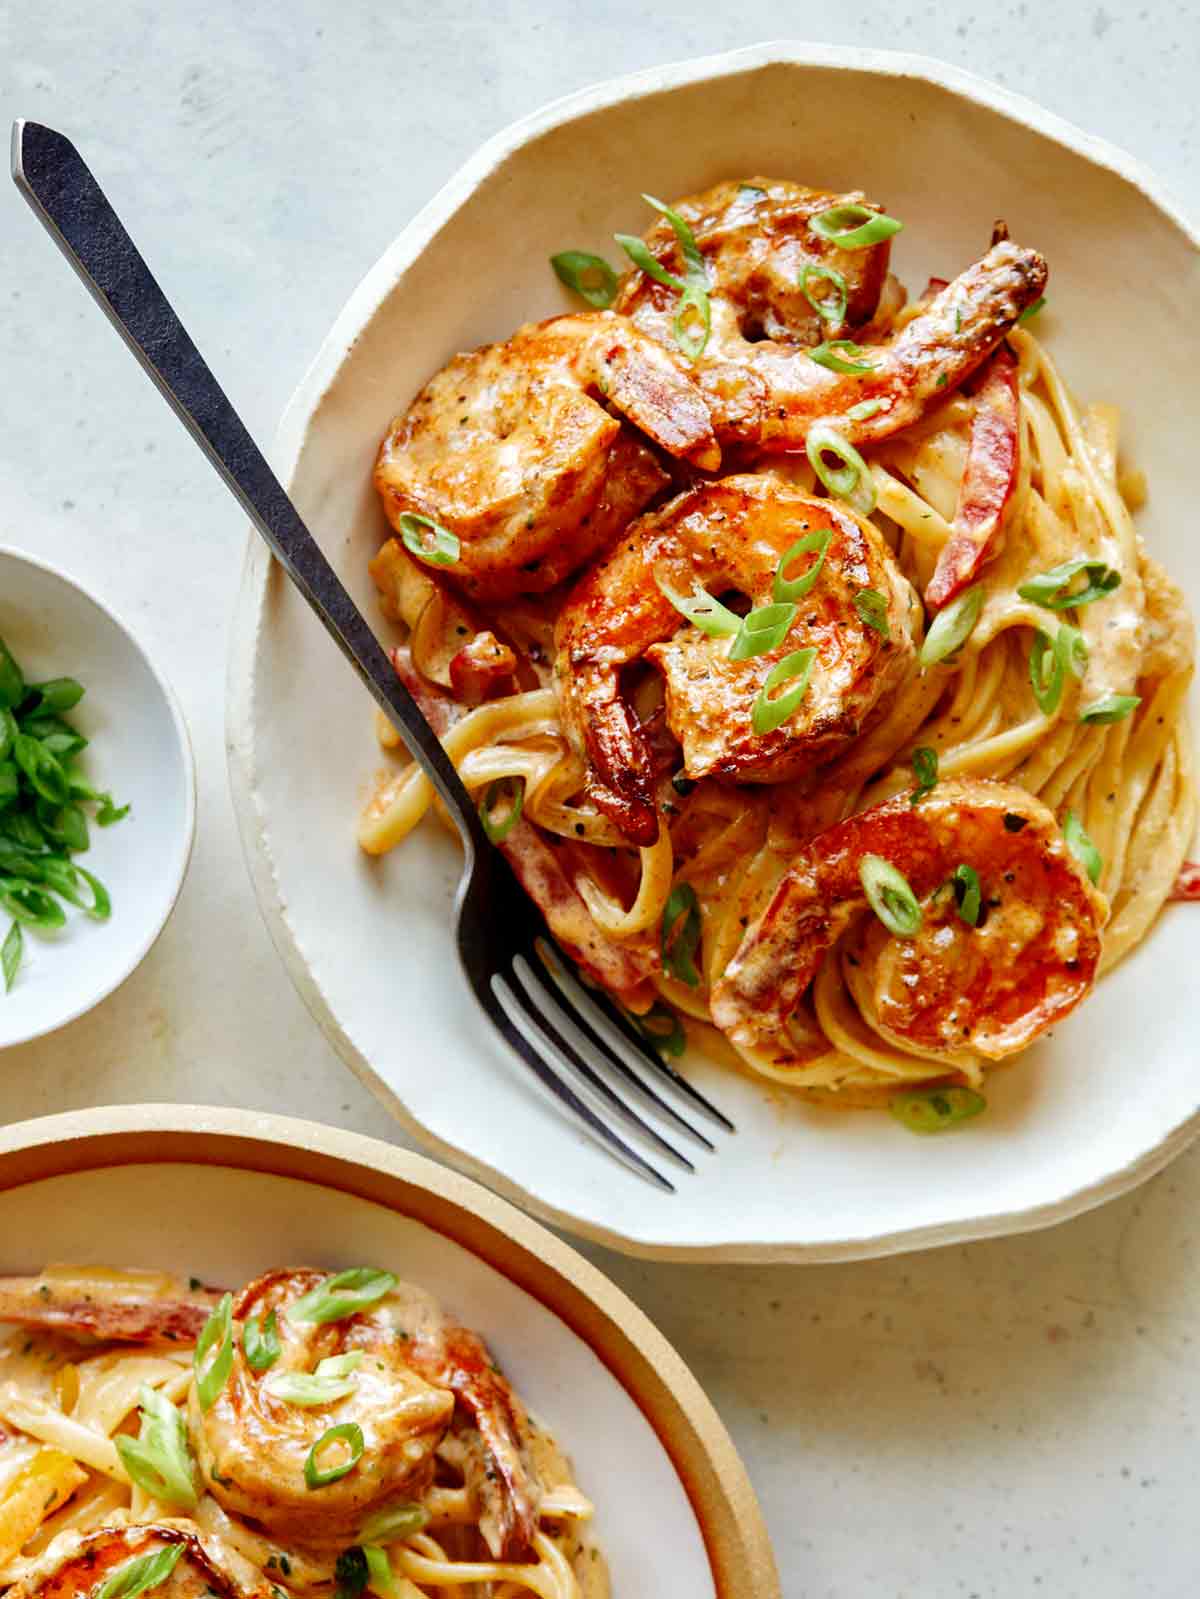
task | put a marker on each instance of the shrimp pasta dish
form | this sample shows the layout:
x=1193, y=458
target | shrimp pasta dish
x=309, y=1436
x=795, y=637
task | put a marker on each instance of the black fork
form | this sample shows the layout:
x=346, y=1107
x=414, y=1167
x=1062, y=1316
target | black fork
x=574, y=1041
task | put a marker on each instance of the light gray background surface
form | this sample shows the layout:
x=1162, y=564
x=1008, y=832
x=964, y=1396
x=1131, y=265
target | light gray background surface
x=1011, y=1418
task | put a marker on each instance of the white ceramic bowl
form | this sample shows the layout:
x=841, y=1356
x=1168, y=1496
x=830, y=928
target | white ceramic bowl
x=140, y=750
x=226, y=1194
x=1084, y=1115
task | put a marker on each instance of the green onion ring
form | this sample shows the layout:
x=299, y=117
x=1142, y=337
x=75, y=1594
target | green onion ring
x=763, y=629
x=44, y=772
x=872, y=609
x=824, y=355
x=10, y=954
x=349, y=1433
x=510, y=789
x=709, y=615
x=1081, y=846
x=811, y=544
x=138, y=1576
x=380, y=1577
x=28, y=904
x=968, y=896
x=1050, y=588
x=890, y=896
x=952, y=626
x=681, y=934
x=394, y=1523
x=1113, y=708
x=590, y=276
x=159, y=1458
x=12, y=680
x=925, y=766
x=833, y=310
x=933, y=1110
x=661, y=1027
x=853, y=226
x=342, y=1295
x=260, y=1342
x=445, y=548
x=852, y=481
x=768, y=713
x=218, y=1330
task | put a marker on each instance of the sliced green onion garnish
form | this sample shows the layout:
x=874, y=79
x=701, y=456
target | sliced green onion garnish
x=428, y=540
x=796, y=588
x=709, y=615
x=1051, y=660
x=933, y=1110
x=889, y=896
x=968, y=896
x=10, y=782
x=212, y=1376
x=510, y=793
x=394, y=1523
x=28, y=904
x=159, y=1458
x=309, y=1388
x=110, y=813
x=10, y=954
x=693, y=260
x=693, y=321
x=681, y=935
x=829, y=309
x=852, y=481
x=1113, y=708
x=762, y=630
x=58, y=695
x=8, y=734
x=23, y=829
x=873, y=611
x=65, y=878
x=639, y=253
x=12, y=680
x=137, y=1576
x=662, y=1027
x=44, y=772
x=826, y=355
x=853, y=226
x=260, y=1342
x=925, y=766
x=863, y=410
x=1052, y=588
x=952, y=626
x=1081, y=846
x=380, y=1578
x=348, y=1433
x=768, y=713
x=1031, y=311
x=589, y=275
x=342, y=1295
x=65, y=825
x=694, y=307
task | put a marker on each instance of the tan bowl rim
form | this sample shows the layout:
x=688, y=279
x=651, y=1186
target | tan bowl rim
x=621, y=1336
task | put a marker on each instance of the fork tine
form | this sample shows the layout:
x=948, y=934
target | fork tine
x=595, y=1000
x=519, y=987
x=565, y=1094
x=574, y=1013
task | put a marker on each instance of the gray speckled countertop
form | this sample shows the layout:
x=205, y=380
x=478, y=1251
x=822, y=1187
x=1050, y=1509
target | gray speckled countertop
x=1011, y=1418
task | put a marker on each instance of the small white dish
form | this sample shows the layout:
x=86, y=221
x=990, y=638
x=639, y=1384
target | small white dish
x=1085, y=1115
x=140, y=751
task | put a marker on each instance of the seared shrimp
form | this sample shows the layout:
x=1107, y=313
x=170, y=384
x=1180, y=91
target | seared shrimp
x=763, y=388
x=766, y=267
x=515, y=449
x=124, y=1306
x=253, y=1443
x=988, y=989
x=722, y=537
x=75, y=1564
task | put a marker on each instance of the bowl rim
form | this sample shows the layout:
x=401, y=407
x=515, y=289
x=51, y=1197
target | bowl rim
x=183, y=741
x=620, y=1334
x=360, y=309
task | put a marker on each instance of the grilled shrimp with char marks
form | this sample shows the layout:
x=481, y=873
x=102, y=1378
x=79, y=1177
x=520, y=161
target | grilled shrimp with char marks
x=515, y=448
x=75, y=1564
x=953, y=988
x=723, y=537
x=106, y=1303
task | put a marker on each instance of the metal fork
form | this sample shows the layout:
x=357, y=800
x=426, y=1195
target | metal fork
x=503, y=944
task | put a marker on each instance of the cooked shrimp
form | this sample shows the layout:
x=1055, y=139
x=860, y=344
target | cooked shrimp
x=988, y=989
x=722, y=537
x=515, y=449
x=763, y=388
x=758, y=244
x=75, y=1564
x=253, y=1443
x=97, y=1302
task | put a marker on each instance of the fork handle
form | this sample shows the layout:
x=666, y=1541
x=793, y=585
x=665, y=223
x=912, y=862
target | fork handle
x=56, y=181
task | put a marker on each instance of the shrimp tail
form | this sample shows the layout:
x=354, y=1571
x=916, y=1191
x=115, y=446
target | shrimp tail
x=113, y=1310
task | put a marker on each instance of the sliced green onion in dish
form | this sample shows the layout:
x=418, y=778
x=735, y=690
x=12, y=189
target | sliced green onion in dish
x=351, y=1572
x=66, y=879
x=830, y=308
x=140, y=1575
x=1113, y=708
x=795, y=588
x=709, y=615
x=349, y=1434
x=933, y=1110
x=27, y=903
x=864, y=409
x=8, y=734
x=693, y=319
x=853, y=226
x=952, y=627
x=1053, y=588
x=333, y=1379
x=11, y=951
x=345, y=1294
x=890, y=896
x=661, y=1028
x=10, y=782
x=12, y=680
x=109, y=813
x=44, y=771
x=260, y=1342
x=968, y=895
x=428, y=540
x=763, y=630
x=380, y=1577
x=826, y=355
x=851, y=480
x=873, y=611
x=590, y=276
x=681, y=935
x=159, y=1459
x=693, y=260
x=216, y=1340
x=1081, y=846
x=1030, y=311
x=64, y=825
x=771, y=712
x=1050, y=660
x=925, y=768
x=394, y=1523
x=508, y=792
x=58, y=695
